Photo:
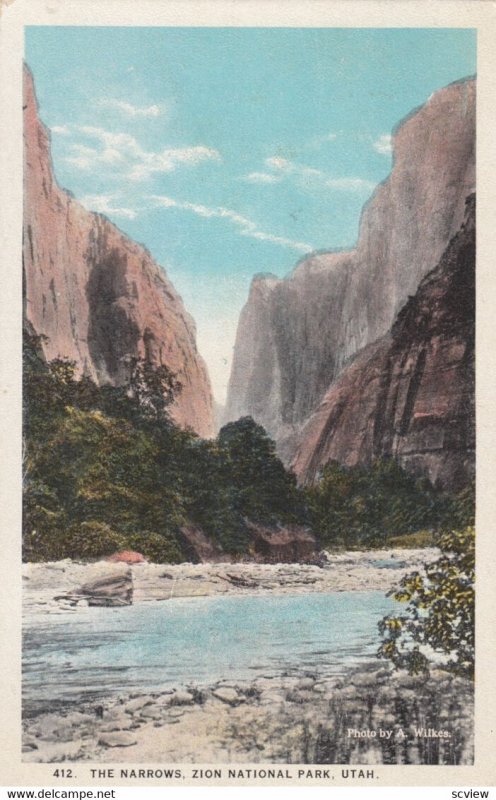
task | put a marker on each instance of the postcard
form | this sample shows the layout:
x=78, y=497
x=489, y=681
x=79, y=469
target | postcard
x=255, y=542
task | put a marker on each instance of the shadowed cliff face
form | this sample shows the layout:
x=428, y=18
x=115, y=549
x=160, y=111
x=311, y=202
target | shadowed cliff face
x=411, y=394
x=96, y=295
x=295, y=335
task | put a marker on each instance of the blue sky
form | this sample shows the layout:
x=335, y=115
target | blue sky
x=232, y=151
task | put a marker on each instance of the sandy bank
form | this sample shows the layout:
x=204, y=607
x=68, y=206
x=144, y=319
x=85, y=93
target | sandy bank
x=374, y=570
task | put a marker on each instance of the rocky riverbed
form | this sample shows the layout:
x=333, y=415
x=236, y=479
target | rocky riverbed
x=297, y=717
x=57, y=585
x=368, y=717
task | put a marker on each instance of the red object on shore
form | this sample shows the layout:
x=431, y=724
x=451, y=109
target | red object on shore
x=127, y=556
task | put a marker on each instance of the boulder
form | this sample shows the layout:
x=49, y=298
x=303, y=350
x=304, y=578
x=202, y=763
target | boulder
x=228, y=695
x=110, y=585
x=117, y=740
x=182, y=698
x=127, y=557
x=137, y=703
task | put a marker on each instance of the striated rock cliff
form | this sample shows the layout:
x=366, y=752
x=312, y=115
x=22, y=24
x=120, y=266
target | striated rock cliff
x=95, y=294
x=296, y=334
x=411, y=394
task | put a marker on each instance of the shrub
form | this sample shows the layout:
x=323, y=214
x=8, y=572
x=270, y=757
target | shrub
x=42, y=540
x=156, y=548
x=439, y=618
x=414, y=540
x=364, y=506
x=91, y=539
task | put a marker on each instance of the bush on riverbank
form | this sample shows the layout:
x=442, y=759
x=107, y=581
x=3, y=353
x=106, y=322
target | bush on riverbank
x=413, y=541
x=440, y=612
x=362, y=507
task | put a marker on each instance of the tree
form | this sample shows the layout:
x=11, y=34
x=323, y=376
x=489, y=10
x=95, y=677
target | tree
x=366, y=506
x=264, y=490
x=152, y=388
x=439, y=618
x=100, y=463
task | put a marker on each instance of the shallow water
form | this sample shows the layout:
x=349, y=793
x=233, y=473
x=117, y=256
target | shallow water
x=387, y=563
x=156, y=646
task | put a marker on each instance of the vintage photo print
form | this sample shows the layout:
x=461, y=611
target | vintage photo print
x=242, y=263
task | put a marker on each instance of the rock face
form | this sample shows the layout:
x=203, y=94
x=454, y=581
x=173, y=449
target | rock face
x=197, y=546
x=283, y=545
x=96, y=295
x=411, y=394
x=295, y=335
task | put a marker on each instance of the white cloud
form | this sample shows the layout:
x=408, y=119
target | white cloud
x=85, y=158
x=318, y=141
x=261, y=177
x=103, y=204
x=82, y=157
x=310, y=175
x=122, y=142
x=80, y=162
x=351, y=184
x=384, y=144
x=246, y=226
x=130, y=110
x=168, y=160
x=61, y=130
x=282, y=164
x=123, y=151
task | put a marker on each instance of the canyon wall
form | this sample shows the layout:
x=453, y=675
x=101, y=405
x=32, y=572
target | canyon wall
x=97, y=296
x=295, y=335
x=409, y=395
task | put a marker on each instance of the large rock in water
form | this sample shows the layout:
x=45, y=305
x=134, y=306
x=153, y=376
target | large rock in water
x=96, y=295
x=411, y=394
x=108, y=585
x=295, y=335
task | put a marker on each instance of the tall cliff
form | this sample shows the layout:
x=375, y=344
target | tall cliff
x=296, y=334
x=95, y=294
x=410, y=394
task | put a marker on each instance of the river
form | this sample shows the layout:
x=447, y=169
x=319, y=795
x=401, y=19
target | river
x=155, y=646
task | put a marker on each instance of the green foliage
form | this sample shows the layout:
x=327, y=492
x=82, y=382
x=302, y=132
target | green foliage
x=49, y=388
x=90, y=539
x=44, y=520
x=106, y=469
x=97, y=469
x=211, y=498
x=265, y=491
x=439, y=617
x=151, y=389
x=461, y=508
x=413, y=541
x=157, y=548
x=367, y=506
x=234, y=478
x=111, y=457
